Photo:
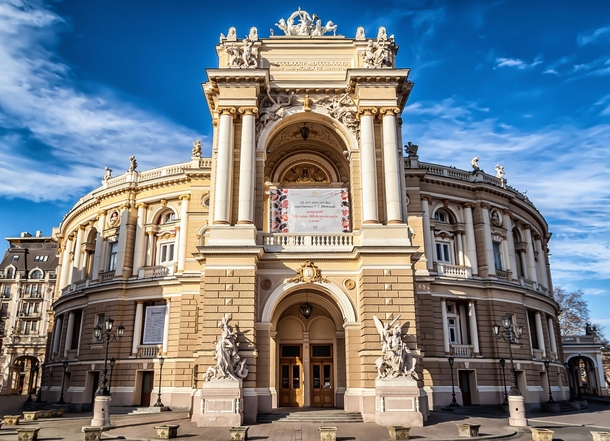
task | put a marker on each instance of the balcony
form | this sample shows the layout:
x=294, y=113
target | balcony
x=462, y=351
x=106, y=276
x=148, y=351
x=26, y=314
x=29, y=340
x=332, y=242
x=448, y=270
x=580, y=339
x=148, y=272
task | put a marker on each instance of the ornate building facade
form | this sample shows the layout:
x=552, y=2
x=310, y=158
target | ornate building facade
x=306, y=224
x=27, y=286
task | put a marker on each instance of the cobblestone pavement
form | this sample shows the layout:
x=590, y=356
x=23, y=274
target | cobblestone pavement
x=441, y=426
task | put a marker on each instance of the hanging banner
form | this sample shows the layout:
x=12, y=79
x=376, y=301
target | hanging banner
x=154, y=325
x=310, y=210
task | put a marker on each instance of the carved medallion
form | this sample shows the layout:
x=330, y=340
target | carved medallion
x=308, y=273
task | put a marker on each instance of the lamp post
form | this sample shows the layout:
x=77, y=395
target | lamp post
x=112, y=363
x=63, y=379
x=107, y=336
x=159, y=403
x=548, y=378
x=39, y=394
x=511, y=335
x=568, y=368
x=503, y=363
x=454, y=403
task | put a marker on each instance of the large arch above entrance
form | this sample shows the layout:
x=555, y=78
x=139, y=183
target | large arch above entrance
x=342, y=300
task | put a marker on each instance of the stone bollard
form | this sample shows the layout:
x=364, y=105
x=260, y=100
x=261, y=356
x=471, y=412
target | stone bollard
x=57, y=413
x=542, y=434
x=27, y=434
x=167, y=431
x=601, y=436
x=30, y=416
x=239, y=433
x=399, y=432
x=11, y=420
x=328, y=433
x=45, y=413
x=468, y=430
x=92, y=433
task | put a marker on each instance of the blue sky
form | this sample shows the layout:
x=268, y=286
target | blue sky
x=526, y=84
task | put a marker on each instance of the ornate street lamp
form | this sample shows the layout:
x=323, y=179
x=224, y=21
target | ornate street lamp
x=306, y=308
x=548, y=378
x=503, y=363
x=107, y=336
x=159, y=403
x=454, y=403
x=511, y=335
x=63, y=380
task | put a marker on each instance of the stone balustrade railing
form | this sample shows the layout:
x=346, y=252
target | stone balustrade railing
x=462, y=351
x=459, y=272
x=307, y=242
x=580, y=339
x=155, y=271
x=148, y=351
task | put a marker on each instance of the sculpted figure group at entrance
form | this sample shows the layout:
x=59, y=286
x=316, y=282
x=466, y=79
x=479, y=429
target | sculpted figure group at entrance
x=396, y=360
x=229, y=364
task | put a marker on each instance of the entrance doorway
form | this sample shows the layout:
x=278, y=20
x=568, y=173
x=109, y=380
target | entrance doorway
x=322, y=388
x=291, y=376
x=147, y=387
x=464, y=384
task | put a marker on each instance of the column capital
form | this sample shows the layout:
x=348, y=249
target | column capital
x=70, y=236
x=485, y=205
x=125, y=206
x=250, y=110
x=468, y=205
x=81, y=227
x=141, y=205
x=228, y=110
x=185, y=197
x=388, y=111
x=367, y=111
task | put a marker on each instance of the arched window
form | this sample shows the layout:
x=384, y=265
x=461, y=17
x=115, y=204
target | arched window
x=444, y=237
x=36, y=274
x=167, y=217
x=10, y=272
x=166, y=238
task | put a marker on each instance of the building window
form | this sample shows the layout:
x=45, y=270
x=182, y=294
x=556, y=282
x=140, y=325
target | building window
x=167, y=217
x=453, y=324
x=112, y=253
x=441, y=216
x=166, y=253
x=41, y=258
x=6, y=291
x=10, y=272
x=497, y=256
x=15, y=258
x=36, y=274
x=443, y=252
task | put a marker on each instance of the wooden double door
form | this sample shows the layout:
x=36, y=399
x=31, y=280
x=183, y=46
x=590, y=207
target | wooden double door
x=318, y=381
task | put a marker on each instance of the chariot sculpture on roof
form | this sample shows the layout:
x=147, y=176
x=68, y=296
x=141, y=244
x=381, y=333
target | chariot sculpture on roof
x=307, y=26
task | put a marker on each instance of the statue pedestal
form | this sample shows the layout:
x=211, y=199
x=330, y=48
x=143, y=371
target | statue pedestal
x=516, y=409
x=397, y=403
x=101, y=411
x=221, y=404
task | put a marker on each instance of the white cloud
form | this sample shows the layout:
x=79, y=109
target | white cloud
x=82, y=132
x=517, y=63
x=594, y=36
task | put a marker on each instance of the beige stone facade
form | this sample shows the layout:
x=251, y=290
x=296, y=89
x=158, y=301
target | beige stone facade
x=313, y=120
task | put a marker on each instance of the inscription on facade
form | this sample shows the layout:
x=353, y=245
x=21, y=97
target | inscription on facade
x=310, y=65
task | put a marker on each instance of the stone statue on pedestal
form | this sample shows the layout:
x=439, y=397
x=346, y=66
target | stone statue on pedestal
x=396, y=360
x=229, y=364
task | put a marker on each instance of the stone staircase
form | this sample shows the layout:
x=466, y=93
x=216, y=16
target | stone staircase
x=330, y=416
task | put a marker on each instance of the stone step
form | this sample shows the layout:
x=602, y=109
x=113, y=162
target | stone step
x=330, y=416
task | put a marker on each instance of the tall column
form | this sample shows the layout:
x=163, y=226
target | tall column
x=460, y=249
x=78, y=253
x=222, y=195
x=471, y=247
x=445, y=328
x=139, y=250
x=540, y=334
x=428, y=241
x=531, y=262
x=184, y=205
x=166, y=325
x=57, y=335
x=474, y=332
x=150, y=250
x=247, y=170
x=512, y=260
x=541, y=264
x=137, y=328
x=99, y=245
x=391, y=172
x=552, y=340
x=66, y=266
x=368, y=167
x=489, y=249
x=122, y=245
x=69, y=334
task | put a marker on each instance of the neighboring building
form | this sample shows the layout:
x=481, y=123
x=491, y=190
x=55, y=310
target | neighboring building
x=27, y=285
x=583, y=355
x=307, y=200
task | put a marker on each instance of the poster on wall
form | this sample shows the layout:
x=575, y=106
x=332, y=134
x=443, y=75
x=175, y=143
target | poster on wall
x=310, y=210
x=154, y=323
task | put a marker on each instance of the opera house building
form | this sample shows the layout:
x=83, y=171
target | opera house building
x=309, y=259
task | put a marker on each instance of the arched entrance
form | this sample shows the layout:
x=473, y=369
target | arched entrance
x=24, y=374
x=583, y=375
x=309, y=359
